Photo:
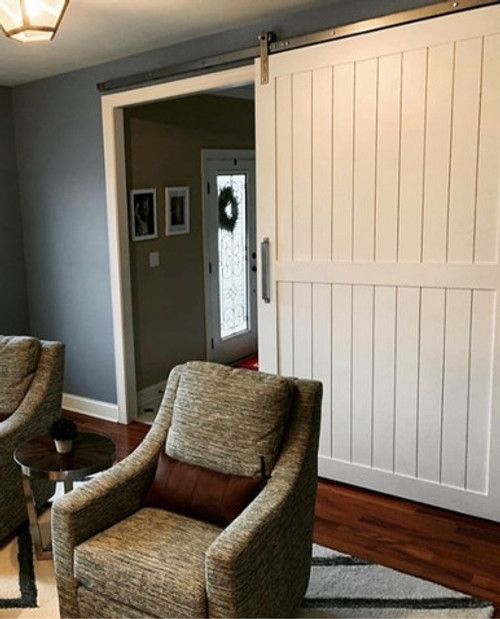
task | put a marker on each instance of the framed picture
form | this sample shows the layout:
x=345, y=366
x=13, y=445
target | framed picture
x=176, y=210
x=143, y=221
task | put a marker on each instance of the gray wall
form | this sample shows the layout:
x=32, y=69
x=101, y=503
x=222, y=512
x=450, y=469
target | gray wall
x=62, y=194
x=13, y=297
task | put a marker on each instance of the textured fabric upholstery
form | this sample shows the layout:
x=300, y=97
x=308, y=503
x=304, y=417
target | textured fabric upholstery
x=39, y=407
x=18, y=361
x=162, y=574
x=225, y=419
x=114, y=558
x=93, y=604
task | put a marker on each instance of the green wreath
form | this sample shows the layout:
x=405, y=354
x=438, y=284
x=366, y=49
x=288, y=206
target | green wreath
x=228, y=220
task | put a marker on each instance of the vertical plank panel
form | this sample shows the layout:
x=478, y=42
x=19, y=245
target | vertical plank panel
x=302, y=329
x=488, y=190
x=365, y=135
x=407, y=353
x=322, y=164
x=322, y=359
x=341, y=371
x=431, y=383
x=388, y=139
x=384, y=377
x=284, y=168
x=456, y=387
x=412, y=154
x=437, y=152
x=362, y=374
x=343, y=156
x=402, y=128
x=466, y=99
x=285, y=328
x=302, y=165
x=481, y=373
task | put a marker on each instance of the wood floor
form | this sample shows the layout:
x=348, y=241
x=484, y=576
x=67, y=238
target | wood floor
x=455, y=550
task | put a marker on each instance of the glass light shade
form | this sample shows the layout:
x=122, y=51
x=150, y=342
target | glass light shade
x=31, y=20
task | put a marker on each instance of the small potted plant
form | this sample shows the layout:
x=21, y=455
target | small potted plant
x=63, y=431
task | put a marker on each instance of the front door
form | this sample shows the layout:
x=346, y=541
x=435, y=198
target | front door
x=230, y=258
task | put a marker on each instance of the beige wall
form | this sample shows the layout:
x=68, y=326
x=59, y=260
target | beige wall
x=164, y=143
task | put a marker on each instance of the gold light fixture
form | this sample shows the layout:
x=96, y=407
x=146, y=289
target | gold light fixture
x=31, y=20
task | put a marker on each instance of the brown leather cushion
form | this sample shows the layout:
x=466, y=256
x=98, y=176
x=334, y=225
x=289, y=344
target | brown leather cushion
x=201, y=493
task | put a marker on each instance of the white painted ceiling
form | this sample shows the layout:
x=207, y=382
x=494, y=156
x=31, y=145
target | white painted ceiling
x=96, y=31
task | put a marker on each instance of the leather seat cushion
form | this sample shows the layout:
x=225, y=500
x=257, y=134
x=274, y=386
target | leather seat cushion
x=152, y=561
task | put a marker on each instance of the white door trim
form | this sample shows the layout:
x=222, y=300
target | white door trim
x=112, y=106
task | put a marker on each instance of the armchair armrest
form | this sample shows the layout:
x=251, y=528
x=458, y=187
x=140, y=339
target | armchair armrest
x=42, y=403
x=104, y=500
x=107, y=498
x=95, y=506
x=259, y=566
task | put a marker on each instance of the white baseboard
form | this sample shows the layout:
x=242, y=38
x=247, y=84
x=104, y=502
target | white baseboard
x=92, y=408
x=151, y=393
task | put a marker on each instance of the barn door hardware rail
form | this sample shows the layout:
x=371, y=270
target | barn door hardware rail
x=378, y=23
x=268, y=45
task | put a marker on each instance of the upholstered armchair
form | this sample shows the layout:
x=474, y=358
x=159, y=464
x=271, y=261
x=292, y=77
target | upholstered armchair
x=31, y=378
x=117, y=556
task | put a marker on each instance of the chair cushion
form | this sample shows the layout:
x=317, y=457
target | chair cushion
x=153, y=561
x=91, y=604
x=18, y=363
x=195, y=491
x=225, y=419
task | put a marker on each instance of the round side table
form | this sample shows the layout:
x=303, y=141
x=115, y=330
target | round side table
x=38, y=459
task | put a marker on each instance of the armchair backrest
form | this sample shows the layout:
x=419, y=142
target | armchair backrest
x=227, y=419
x=18, y=362
x=38, y=407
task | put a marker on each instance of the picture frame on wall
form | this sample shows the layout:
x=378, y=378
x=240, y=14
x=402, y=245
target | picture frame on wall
x=176, y=210
x=143, y=216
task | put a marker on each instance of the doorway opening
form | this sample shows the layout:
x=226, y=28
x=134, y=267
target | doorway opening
x=171, y=289
x=113, y=109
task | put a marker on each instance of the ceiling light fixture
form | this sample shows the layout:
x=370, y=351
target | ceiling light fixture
x=31, y=20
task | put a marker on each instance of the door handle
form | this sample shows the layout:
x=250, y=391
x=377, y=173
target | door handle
x=264, y=254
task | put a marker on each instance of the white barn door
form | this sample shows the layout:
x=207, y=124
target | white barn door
x=378, y=175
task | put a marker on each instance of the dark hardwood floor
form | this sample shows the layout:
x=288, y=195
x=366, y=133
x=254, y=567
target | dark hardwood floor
x=126, y=437
x=452, y=549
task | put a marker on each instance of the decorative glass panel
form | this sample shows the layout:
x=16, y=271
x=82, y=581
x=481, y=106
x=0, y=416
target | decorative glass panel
x=233, y=273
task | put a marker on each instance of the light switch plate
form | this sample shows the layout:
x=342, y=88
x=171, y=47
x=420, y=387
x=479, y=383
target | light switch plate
x=154, y=259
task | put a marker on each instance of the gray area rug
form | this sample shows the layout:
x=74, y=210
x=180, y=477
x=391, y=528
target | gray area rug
x=340, y=586
x=344, y=586
x=17, y=586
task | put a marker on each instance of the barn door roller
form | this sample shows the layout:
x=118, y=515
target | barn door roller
x=265, y=39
